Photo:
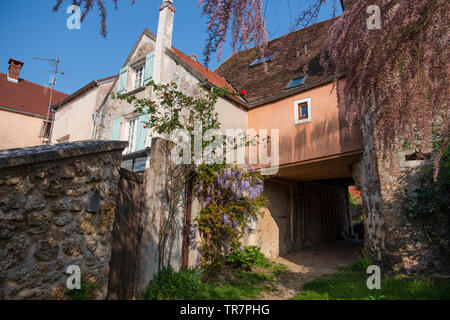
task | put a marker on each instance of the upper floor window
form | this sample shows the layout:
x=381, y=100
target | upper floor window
x=139, y=76
x=302, y=111
x=141, y=72
x=132, y=134
x=261, y=60
x=297, y=81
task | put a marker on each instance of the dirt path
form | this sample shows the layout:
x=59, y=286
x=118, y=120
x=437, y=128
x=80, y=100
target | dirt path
x=308, y=264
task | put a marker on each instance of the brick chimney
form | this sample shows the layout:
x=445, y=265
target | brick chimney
x=14, y=70
x=163, y=38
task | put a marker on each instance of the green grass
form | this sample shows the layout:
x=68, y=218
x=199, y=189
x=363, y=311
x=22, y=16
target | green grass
x=349, y=283
x=187, y=285
x=193, y=284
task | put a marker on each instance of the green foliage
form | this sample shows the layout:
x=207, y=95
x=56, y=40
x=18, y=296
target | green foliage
x=84, y=293
x=188, y=285
x=170, y=109
x=350, y=284
x=364, y=260
x=171, y=285
x=431, y=199
x=230, y=197
x=252, y=256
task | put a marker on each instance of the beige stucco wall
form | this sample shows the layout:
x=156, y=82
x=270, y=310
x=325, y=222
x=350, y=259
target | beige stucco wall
x=75, y=117
x=272, y=231
x=231, y=116
x=19, y=130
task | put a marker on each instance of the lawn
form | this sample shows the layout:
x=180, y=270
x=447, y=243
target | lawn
x=246, y=276
x=349, y=283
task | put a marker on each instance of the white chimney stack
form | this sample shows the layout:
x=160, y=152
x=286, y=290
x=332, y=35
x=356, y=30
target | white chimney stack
x=163, y=37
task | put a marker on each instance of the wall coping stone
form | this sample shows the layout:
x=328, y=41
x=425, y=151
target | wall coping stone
x=37, y=154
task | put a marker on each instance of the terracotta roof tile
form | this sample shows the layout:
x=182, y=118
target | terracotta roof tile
x=26, y=96
x=212, y=76
x=283, y=67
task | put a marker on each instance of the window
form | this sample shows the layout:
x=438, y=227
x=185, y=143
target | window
x=261, y=60
x=139, y=77
x=302, y=111
x=132, y=133
x=296, y=81
x=47, y=129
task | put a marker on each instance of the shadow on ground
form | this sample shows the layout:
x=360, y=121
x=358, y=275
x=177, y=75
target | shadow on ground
x=308, y=264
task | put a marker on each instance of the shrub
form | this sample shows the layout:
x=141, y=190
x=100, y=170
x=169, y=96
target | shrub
x=247, y=257
x=171, y=285
x=84, y=293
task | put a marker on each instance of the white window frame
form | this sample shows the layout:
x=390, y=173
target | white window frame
x=135, y=72
x=132, y=144
x=297, y=119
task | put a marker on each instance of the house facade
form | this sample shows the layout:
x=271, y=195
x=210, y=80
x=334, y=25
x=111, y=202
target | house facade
x=24, y=105
x=286, y=90
x=154, y=58
x=74, y=116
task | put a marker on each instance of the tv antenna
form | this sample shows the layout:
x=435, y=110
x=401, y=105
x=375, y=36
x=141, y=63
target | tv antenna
x=55, y=62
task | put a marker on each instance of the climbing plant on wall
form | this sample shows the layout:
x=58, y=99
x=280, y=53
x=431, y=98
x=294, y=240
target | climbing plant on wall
x=229, y=197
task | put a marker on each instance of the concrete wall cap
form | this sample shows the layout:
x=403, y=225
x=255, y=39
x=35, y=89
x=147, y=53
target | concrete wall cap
x=37, y=154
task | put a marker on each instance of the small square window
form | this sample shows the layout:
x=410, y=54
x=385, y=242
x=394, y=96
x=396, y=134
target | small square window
x=302, y=111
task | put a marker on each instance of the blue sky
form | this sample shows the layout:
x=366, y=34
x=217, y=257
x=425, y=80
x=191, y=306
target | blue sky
x=30, y=29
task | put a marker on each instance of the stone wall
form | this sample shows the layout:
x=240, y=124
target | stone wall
x=45, y=225
x=394, y=241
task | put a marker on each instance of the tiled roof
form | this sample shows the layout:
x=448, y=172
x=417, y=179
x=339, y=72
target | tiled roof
x=26, y=96
x=284, y=66
x=211, y=76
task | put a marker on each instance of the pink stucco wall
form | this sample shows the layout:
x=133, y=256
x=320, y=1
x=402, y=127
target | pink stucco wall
x=18, y=130
x=326, y=134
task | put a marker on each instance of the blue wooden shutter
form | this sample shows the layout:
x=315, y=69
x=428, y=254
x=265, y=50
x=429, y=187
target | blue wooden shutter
x=149, y=61
x=123, y=77
x=141, y=133
x=115, y=129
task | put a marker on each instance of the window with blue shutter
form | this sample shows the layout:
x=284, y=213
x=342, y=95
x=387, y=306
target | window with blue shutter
x=141, y=133
x=123, y=77
x=115, y=129
x=149, y=61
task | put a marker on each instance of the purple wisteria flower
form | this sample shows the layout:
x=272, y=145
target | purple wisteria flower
x=199, y=257
x=242, y=250
x=195, y=232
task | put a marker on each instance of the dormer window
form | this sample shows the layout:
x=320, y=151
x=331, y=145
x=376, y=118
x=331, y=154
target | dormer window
x=297, y=81
x=139, y=76
x=261, y=60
